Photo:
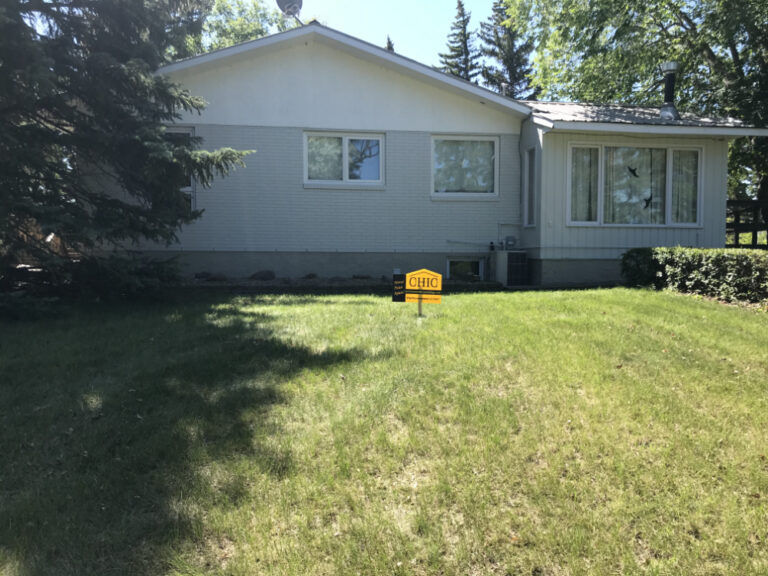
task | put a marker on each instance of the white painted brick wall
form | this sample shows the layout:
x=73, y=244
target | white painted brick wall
x=265, y=206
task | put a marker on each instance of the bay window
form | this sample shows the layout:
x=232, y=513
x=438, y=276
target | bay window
x=633, y=186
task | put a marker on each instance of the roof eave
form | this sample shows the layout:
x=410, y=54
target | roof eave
x=625, y=128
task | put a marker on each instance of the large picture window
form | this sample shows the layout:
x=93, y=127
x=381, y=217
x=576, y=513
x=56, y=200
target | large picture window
x=343, y=158
x=464, y=167
x=635, y=185
x=640, y=186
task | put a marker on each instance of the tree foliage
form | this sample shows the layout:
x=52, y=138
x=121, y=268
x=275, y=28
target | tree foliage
x=609, y=51
x=462, y=57
x=508, y=55
x=234, y=21
x=85, y=163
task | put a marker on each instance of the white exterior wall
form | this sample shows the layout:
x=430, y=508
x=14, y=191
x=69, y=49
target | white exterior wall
x=531, y=139
x=311, y=84
x=266, y=207
x=266, y=100
x=562, y=241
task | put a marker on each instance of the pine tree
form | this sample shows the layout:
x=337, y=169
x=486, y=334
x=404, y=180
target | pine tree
x=390, y=45
x=86, y=163
x=462, y=57
x=509, y=69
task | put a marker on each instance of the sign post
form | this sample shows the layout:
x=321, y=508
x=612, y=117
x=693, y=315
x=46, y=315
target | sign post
x=421, y=286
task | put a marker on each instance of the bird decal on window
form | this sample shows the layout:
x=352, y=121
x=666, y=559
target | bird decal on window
x=633, y=171
x=648, y=201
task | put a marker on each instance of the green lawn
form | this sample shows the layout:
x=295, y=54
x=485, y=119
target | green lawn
x=541, y=434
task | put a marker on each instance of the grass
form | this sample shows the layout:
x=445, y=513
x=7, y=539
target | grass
x=549, y=434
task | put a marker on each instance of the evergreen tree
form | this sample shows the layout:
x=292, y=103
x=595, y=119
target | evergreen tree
x=509, y=56
x=86, y=164
x=390, y=45
x=462, y=57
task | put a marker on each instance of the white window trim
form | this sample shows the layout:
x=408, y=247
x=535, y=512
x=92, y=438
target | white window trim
x=191, y=190
x=345, y=182
x=600, y=222
x=526, y=180
x=464, y=196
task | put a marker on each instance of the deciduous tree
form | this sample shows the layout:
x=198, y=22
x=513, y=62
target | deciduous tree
x=610, y=51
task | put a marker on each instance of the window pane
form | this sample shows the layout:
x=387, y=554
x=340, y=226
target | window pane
x=464, y=269
x=181, y=139
x=324, y=158
x=635, y=185
x=685, y=186
x=531, y=192
x=584, y=175
x=464, y=166
x=364, y=161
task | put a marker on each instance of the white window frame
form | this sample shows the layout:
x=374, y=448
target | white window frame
x=191, y=190
x=600, y=222
x=345, y=182
x=526, y=182
x=464, y=196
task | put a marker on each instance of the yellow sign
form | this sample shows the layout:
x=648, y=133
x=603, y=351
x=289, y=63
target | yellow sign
x=423, y=280
x=425, y=298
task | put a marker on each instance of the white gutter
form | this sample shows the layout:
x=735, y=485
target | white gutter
x=653, y=129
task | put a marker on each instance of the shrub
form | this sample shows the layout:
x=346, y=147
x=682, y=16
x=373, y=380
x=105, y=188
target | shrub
x=727, y=274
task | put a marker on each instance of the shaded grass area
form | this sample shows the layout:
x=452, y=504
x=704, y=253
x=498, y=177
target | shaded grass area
x=594, y=432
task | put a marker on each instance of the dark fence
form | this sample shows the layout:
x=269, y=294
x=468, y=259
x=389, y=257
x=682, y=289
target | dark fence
x=747, y=218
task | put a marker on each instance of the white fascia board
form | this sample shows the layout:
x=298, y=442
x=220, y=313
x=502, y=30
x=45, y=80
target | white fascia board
x=357, y=46
x=195, y=61
x=652, y=129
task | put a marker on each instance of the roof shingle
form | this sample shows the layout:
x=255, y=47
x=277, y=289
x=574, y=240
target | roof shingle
x=615, y=114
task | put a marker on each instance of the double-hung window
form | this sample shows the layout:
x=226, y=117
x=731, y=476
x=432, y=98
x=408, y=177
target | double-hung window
x=465, y=167
x=343, y=159
x=630, y=185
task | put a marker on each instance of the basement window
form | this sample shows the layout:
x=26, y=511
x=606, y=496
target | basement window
x=467, y=270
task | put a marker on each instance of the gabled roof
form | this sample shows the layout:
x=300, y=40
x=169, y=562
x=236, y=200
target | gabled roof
x=320, y=33
x=571, y=116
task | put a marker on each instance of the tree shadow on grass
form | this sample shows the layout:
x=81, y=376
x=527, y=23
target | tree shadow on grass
x=115, y=427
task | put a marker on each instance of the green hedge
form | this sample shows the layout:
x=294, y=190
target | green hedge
x=727, y=274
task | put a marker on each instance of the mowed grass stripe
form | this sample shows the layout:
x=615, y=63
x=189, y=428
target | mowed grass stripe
x=584, y=432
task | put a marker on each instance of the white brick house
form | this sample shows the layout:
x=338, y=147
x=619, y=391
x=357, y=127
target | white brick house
x=367, y=161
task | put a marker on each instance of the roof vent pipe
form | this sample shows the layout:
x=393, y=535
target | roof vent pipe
x=668, y=110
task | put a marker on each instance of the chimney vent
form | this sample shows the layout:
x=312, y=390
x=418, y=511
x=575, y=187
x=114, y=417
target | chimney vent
x=668, y=110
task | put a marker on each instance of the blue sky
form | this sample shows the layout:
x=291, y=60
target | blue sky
x=419, y=28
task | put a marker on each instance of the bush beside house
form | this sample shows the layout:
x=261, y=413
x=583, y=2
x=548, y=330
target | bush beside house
x=727, y=274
